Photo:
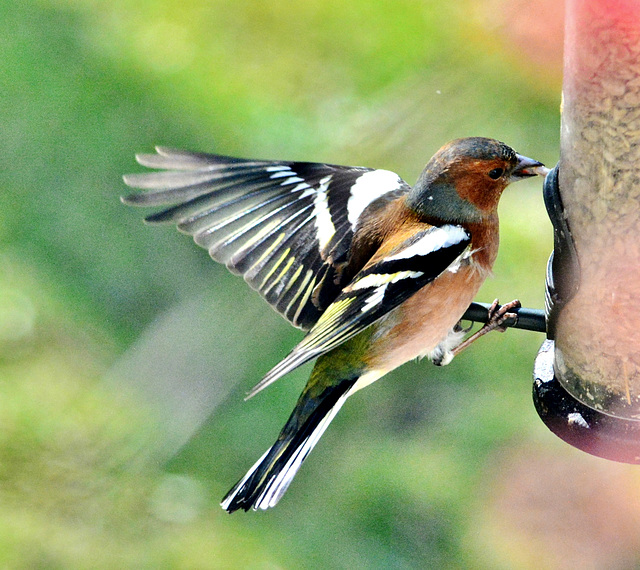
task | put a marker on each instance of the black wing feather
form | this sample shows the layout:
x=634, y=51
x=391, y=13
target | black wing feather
x=262, y=219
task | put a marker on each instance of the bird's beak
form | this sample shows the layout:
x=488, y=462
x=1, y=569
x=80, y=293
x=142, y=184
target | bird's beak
x=528, y=167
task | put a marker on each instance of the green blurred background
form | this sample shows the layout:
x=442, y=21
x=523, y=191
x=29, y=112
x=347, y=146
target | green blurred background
x=125, y=352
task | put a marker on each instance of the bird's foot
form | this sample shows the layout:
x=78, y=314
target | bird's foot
x=498, y=315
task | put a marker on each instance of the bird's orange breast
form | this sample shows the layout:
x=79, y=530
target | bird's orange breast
x=416, y=327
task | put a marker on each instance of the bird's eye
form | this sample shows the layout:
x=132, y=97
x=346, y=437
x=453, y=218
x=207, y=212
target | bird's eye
x=496, y=173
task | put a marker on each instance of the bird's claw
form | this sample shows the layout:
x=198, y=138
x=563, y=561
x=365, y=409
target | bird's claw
x=498, y=315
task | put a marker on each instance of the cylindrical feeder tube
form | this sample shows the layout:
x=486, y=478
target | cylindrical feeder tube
x=597, y=351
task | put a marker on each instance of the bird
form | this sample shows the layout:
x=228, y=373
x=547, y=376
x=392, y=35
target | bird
x=375, y=271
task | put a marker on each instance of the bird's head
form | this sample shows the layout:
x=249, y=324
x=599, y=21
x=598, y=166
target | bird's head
x=464, y=180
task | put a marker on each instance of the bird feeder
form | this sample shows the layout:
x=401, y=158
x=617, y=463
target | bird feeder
x=587, y=374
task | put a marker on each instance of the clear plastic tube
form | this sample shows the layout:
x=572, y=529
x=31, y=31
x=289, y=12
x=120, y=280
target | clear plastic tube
x=598, y=332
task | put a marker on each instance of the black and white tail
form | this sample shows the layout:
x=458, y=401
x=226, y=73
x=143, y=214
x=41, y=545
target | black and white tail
x=265, y=483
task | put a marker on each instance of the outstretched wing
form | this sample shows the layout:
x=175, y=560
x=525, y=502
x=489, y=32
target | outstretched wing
x=285, y=226
x=378, y=288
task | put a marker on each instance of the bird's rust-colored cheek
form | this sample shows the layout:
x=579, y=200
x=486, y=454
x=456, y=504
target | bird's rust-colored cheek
x=482, y=193
x=474, y=185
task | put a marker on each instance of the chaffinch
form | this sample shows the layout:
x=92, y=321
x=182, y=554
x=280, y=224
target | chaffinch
x=376, y=271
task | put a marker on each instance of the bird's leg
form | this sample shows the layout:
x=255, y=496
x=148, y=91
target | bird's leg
x=497, y=316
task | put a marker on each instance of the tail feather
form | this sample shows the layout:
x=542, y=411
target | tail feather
x=265, y=483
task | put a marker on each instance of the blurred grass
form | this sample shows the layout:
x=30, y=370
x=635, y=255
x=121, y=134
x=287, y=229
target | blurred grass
x=124, y=351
